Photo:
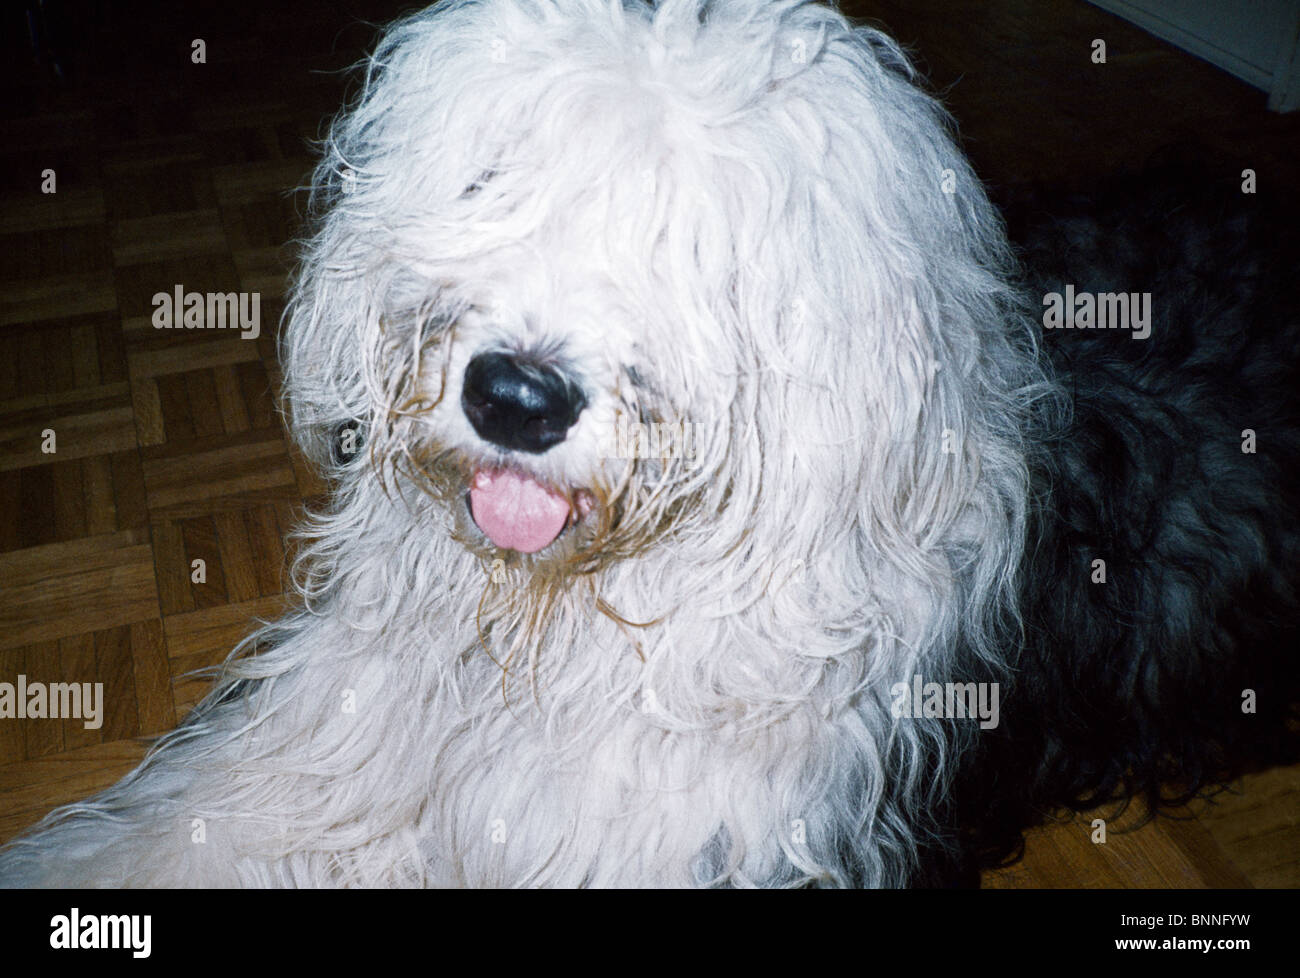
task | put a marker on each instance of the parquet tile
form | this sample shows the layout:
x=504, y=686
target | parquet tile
x=63, y=589
x=201, y=639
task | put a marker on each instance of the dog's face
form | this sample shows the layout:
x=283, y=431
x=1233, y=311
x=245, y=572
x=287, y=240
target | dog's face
x=670, y=289
x=554, y=429
x=556, y=405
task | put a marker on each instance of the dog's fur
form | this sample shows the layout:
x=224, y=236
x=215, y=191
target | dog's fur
x=746, y=216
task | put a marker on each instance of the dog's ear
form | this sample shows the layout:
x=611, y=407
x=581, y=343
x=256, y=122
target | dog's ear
x=894, y=363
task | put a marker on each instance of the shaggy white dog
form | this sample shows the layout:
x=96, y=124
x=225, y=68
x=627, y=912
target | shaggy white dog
x=540, y=645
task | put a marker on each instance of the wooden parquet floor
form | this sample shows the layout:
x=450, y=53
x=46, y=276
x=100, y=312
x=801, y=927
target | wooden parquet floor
x=168, y=445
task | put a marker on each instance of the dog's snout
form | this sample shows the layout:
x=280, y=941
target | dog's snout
x=518, y=403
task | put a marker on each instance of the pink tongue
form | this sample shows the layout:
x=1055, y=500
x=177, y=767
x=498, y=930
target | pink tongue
x=515, y=512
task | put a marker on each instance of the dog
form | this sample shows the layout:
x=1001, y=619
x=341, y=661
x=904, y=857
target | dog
x=713, y=502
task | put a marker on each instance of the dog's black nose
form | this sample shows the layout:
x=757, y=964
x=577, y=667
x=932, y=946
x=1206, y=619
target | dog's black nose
x=519, y=403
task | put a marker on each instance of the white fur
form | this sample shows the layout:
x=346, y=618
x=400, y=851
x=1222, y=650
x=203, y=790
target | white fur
x=741, y=205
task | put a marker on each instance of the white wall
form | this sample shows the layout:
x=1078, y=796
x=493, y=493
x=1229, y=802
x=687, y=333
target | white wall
x=1256, y=40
